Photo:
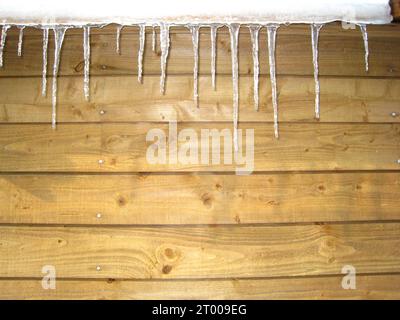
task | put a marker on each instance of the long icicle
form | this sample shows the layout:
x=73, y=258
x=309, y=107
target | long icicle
x=20, y=40
x=154, y=40
x=213, y=31
x=118, y=39
x=142, y=41
x=363, y=29
x=234, y=35
x=254, y=32
x=315, y=29
x=194, y=30
x=44, y=64
x=86, y=57
x=3, y=42
x=271, y=31
x=59, y=33
x=165, y=43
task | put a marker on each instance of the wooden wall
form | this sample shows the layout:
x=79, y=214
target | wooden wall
x=325, y=195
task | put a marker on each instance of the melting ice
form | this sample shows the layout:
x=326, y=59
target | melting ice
x=164, y=42
x=194, y=30
x=86, y=56
x=364, y=33
x=59, y=33
x=315, y=29
x=20, y=40
x=234, y=35
x=153, y=40
x=3, y=42
x=118, y=40
x=254, y=32
x=44, y=64
x=213, y=30
x=271, y=32
x=142, y=41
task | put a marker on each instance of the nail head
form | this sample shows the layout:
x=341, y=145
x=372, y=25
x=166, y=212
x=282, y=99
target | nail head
x=98, y=268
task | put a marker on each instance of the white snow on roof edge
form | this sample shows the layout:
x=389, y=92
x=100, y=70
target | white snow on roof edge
x=80, y=12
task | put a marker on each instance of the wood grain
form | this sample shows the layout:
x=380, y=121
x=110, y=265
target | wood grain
x=123, y=148
x=123, y=99
x=199, y=252
x=341, y=53
x=368, y=287
x=199, y=199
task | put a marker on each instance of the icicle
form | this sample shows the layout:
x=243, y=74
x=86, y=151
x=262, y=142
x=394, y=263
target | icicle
x=142, y=40
x=271, y=29
x=194, y=30
x=364, y=32
x=59, y=33
x=154, y=40
x=254, y=32
x=20, y=40
x=213, y=29
x=3, y=42
x=44, y=65
x=234, y=34
x=118, y=42
x=86, y=57
x=315, y=28
x=164, y=42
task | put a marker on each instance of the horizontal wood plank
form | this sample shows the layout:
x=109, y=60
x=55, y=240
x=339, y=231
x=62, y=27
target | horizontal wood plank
x=198, y=199
x=123, y=148
x=367, y=287
x=341, y=53
x=122, y=98
x=199, y=252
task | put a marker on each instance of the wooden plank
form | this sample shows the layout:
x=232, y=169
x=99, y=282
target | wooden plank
x=367, y=287
x=199, y=252
x=341, y=53
x=342, y=100
x=123, y=148
x=200, y=199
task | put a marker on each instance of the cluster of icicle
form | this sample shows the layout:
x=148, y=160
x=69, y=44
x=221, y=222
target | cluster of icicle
x=234, y=28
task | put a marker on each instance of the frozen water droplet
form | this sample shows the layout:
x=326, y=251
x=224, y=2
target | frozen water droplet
x=154, y=40
x=165, y=43
x=3, y=42
x=194, y=30
x=315, y=29
x=86, y=56
x=254, y=32
x=271, y=32
x=142, y=41
x=213, y=30
x=44, y=64
x=118, y=40
x=234, y=35
x=59, y=33
x=20, y=40
x=364, y=33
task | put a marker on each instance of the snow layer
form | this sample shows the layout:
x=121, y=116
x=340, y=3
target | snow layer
x=79, y=12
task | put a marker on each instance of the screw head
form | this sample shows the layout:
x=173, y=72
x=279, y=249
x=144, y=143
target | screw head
x=102, y=112
x=101, y=161
x=98, y=215
x=398, y=161
x=98, y=268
